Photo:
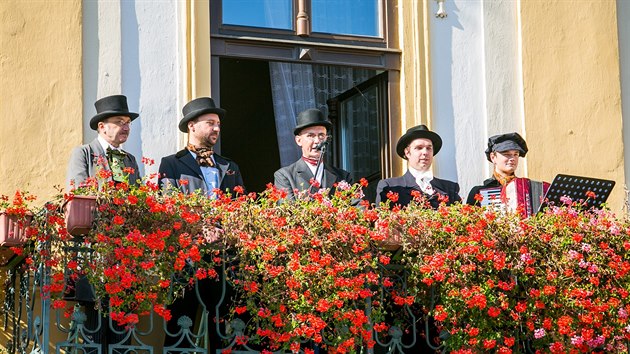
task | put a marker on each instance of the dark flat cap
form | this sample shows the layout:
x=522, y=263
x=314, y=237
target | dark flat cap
x=505, y=142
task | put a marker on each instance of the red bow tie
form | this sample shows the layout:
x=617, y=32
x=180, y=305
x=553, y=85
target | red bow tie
x=310, y=160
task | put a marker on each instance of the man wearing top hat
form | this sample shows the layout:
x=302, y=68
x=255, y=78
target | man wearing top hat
x=199, y=168
x=311, y=133
x=503, y=152
x=113, y=124
x=198, y=164
x=418, y=146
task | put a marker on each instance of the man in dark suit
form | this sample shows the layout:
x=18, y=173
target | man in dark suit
x=310, y=173
x=198, y=167
x=113, y=124
x=198, y=164
x=418, y=146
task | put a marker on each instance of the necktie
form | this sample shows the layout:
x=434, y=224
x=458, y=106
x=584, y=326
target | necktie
x=204, y=155
x=116, y=159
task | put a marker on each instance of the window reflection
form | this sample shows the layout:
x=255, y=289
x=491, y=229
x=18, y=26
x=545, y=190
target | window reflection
x=352, y=17
x=276, y=14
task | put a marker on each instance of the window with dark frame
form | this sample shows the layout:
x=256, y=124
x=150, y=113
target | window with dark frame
x=322, y=34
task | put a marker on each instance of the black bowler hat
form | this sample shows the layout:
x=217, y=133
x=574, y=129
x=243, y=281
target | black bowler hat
x=197, y=107
x=111, y=106
x=310, y=118
x=505, y=142
x=419, y=131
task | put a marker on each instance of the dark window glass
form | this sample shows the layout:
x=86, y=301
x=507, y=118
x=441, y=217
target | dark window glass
x=351, y=17
x=276, y=14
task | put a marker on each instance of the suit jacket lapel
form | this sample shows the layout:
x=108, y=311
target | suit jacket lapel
x=438, y=186
x=223, y=167
x=97, y=150
x=97, y=153
x=328, y=178
x=410, y=181
x=303, y=174
x=186, y=158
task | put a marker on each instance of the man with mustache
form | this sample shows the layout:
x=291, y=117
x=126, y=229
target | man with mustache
x=199, y=168
x=113, y=124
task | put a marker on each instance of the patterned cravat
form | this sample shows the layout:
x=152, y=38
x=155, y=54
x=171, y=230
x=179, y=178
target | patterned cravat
x=116, y=159
x=204, y=155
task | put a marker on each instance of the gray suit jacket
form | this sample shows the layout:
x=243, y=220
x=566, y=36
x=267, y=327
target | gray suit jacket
x=297, y=176
x=84, y=163
x=182, y=166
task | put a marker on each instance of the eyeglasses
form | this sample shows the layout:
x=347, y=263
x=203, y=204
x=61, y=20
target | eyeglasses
x=120, y=123
x=312, y=136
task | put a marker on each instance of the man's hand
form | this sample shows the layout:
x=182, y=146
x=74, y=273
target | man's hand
x=212, y=233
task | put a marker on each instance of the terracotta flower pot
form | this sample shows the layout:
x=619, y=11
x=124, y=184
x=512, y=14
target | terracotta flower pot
x=393, y=241
x=80, y=214
x=12, y=231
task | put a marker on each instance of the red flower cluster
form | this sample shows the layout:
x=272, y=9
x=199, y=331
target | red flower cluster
x=318, y=268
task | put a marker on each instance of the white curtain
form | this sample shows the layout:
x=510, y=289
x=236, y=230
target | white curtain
x=292, y=91
x=297, y=87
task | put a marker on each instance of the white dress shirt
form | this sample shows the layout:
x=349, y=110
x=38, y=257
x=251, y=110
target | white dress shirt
x=423, y=179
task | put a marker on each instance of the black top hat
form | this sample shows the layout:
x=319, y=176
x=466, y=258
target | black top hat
x=505, y=142
x=111, y=106
x=419, y=131
x=197, y=107
x=309, y=118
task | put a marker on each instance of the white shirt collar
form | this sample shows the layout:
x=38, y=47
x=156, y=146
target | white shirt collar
x=423, y=179
x=427, y=176
x=107, y=145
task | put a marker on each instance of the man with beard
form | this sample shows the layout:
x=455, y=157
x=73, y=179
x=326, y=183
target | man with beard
x=198, y=165
x=199, y=168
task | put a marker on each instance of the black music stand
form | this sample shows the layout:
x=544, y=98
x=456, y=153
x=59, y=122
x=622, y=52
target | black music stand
x=575, y=187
